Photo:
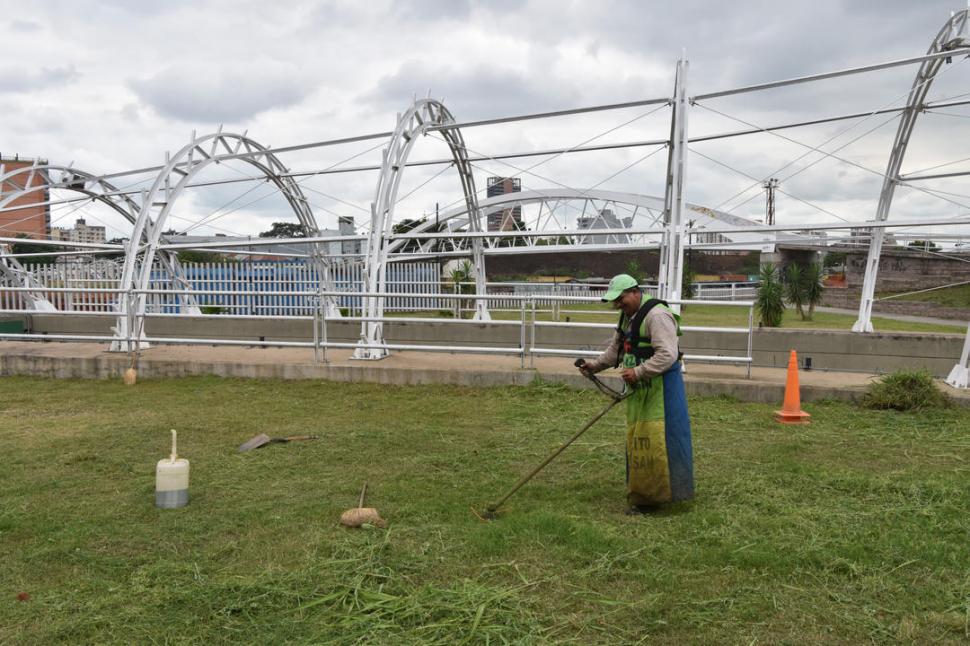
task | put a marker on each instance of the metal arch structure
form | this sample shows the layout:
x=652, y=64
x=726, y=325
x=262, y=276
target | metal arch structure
x=954, y=34
x=157, y=204
x=650, y=208
x=98, y=189
x=10, y=268
x=422, y=115
x=12, y=272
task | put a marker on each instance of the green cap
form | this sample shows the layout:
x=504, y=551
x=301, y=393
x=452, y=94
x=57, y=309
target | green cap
x=619, y=284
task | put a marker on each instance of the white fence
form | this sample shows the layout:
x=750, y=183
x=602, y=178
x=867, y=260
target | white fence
x=259, y=288
x=250, y=288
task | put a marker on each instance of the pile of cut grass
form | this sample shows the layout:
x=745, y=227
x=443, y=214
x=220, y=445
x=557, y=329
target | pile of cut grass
x=850, y=530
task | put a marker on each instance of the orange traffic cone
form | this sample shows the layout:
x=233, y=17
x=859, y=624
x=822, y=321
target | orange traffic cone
x=791, y=411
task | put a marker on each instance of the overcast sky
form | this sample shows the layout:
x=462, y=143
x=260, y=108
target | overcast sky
x=113, y=85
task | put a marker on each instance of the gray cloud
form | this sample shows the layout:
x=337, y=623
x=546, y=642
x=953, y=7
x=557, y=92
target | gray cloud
x=222, y=94
x=14, y=79
x=474, y=92
x=25, y=26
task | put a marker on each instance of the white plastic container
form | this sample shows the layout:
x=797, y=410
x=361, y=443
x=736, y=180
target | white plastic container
x=172, y=480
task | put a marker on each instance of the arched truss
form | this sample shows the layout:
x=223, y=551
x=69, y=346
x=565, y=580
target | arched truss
x=954, y=34
x=42, y=177
x=421, y=116
x=157, y=204
x=645, y=212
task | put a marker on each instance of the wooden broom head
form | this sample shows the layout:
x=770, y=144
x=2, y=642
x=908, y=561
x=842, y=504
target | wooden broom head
x=130, y=376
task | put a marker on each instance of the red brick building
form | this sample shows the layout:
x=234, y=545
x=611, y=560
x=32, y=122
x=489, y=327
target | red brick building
x=33, y=218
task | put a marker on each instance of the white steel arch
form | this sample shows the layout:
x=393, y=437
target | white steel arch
x=157, y=203
x=422, y=115
x=646, y=208
x=42, y=177
x=955, y=34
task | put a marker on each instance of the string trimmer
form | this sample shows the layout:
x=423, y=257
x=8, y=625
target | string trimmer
x=615, y=398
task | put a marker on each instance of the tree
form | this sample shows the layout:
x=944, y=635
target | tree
x=834, y=259
x=285, y=230
x=635, y=269
x=191, y=255
x=461, y=277
x=794, y=289
x=814, y=287
x=560, y=240
x=27, y=247
x=688, y=285
x=770, y=302
x=750, y=262
x=926, y=245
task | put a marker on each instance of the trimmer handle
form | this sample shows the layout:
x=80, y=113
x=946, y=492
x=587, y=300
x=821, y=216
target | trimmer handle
x=606, y=390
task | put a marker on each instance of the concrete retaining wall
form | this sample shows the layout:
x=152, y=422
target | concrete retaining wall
x=902, y=269
x=827, y=350
x=849, y=298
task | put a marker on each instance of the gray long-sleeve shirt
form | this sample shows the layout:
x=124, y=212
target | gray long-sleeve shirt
x=662, y=328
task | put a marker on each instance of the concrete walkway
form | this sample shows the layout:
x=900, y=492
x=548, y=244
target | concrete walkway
x=90, y=361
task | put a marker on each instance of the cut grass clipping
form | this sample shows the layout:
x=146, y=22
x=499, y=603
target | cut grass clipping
x=911, y=390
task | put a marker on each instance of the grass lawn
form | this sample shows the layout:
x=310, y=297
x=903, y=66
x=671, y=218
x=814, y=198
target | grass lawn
x=852, y=530
x=951, y=296
x=728, y=316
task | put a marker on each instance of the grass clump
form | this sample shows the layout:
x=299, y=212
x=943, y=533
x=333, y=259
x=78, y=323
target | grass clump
x=908, y=390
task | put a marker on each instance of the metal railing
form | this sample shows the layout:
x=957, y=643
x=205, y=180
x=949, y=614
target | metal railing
x=528, y=323
x=272, y=288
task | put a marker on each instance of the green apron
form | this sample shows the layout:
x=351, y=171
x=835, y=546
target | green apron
x=658, y=446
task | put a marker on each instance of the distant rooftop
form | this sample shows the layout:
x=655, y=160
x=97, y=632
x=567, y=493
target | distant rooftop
x=21, y=158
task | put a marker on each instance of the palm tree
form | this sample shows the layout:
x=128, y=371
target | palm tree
x=770, y=301
x=814, y=286
x=794, y=290
x=460, y=277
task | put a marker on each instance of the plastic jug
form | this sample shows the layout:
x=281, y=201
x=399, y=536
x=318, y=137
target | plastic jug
x=172, y=480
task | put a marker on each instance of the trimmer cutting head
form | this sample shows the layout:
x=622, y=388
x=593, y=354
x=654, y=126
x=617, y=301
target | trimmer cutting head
x=489, y=513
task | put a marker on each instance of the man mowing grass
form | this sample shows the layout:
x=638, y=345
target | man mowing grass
x=659, y=463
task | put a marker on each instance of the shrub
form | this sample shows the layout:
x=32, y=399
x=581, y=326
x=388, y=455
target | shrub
x=905, y=390
x=688, y=288
x=770, y=302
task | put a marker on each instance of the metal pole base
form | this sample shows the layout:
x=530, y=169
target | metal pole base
x=959, y=377
x=367, y=352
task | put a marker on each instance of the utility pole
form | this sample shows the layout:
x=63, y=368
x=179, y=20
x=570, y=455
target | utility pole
x=770, y=187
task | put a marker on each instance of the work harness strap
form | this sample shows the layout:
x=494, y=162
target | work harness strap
x=631, y=335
